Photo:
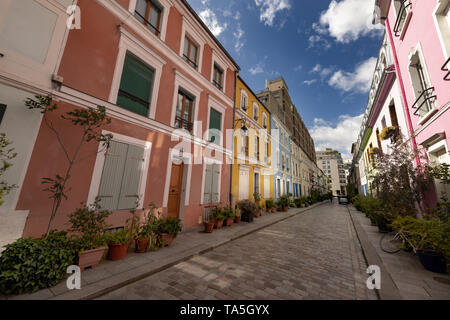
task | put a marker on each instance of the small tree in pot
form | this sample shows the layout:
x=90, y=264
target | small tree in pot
x=229, y=216
x=257, y=197
x=89, y=224
x=146, y=231
x=248, y=209
x=169, y=228
x=209, y=224
x=218, y=218
x=284, y=202
x=237, y=217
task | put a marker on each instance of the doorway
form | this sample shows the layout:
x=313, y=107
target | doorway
x=175, y=190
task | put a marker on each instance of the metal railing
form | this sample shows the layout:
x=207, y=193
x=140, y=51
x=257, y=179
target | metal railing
x=190, y=62
x=426, y=98
x=217, y=84
x=152, y=28
x=401, y=17
x=446, y=68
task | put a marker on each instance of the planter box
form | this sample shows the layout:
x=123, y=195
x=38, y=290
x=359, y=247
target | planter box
x=90, y=258
x=432, y=262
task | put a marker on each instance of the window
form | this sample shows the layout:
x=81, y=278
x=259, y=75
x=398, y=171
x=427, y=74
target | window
x=393, y=115
x=423, y=91
x=442, y=22
x=218, y=77
x=244, y=101
x=190, y=54
x=149, y=13
x=255, y=111
x=402, y=9
x=215, y=126
x=264, y=121
x=184, y=112
x=256, y=182
x=121, y=176
x=257, y=147
x=245, y=141
x=211, y=193
x=136, y=86
x=2, y=112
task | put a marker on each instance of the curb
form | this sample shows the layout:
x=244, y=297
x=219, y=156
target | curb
x=99, y=290
x=389, y=290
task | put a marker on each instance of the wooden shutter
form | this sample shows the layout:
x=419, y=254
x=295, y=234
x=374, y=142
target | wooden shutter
x=113, y=170
x=215, y=183
x=207, y=193
x=129, y=192
x=136, y=81
x=215, y=122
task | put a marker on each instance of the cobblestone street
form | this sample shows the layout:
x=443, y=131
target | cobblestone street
x=314, y=255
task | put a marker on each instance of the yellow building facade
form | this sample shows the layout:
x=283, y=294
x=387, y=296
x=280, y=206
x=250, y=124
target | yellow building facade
x=252, y=171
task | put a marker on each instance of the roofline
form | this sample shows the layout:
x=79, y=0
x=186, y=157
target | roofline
x=251, y=91
x=196, y=16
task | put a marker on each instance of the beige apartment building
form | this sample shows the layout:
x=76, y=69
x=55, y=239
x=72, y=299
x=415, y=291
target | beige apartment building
x=331, y=163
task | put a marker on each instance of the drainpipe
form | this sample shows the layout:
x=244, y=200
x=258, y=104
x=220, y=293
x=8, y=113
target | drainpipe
x=402, y=88
x=232, y=142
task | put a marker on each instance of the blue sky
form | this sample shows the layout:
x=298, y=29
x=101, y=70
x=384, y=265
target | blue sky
x=325, y=49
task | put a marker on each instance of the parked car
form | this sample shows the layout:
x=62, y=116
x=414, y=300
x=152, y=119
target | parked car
x=343, y=199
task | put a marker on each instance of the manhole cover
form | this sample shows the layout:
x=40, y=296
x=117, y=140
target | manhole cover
x=442, y=280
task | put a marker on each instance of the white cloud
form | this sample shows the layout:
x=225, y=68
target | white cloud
x=298, y=68
x=339, y=137
x=347, y=20
x=358, y=80
x=238, y=34
x=256, y=69
x=309, y=82
x=318, y=41
x=270, y=8
x=210, y=19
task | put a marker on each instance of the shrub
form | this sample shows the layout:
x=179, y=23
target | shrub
x=121, y=237
x=270, y=204
x=248, y=209
x=228, y=212
x=28, y=265
x=298, y=202
x=169, y=225
x=284, y=201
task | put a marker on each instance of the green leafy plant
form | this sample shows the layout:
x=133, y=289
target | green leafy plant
x=218, y=214
x=89, y=224
x=257, y=197
x=6, y=155
x=284, y=201
x=150, y=226
x=28, y=265
x=228, y=212
x=247, y=207
x=169, y=225
x=90, y=121
x=122, y=237
x=298, y=202
x=270, y=204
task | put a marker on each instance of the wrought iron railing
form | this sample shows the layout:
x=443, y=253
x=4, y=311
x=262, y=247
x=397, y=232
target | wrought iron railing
x=426, y=98
x=446, y=68
x=217, y=84
x=184, y=124
x=152, y=28
x=405, y=6
x=190, y=62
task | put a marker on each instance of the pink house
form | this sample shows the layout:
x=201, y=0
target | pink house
x=419, y=34
x=158, y=70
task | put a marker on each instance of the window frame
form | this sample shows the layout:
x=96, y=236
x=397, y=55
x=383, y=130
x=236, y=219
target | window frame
x=189, y=30
x=217, y=69
x=442, y=24
x=244, y=94
x=186, y=96
x=218, y=107
x=255, y=112
x=191, y=43
x=147, y=23
x=128, y=43
x=100, y=161
x=165, y=5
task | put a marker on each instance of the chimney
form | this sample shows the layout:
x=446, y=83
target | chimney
x=267, y=84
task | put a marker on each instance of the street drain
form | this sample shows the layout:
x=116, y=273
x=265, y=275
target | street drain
x=442, y=280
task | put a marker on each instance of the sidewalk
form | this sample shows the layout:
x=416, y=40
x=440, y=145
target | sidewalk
x=111, y=275
x=406, y=278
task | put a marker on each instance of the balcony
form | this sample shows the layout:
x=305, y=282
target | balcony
x=446, y=68
x=424, y=104
x=403, y=18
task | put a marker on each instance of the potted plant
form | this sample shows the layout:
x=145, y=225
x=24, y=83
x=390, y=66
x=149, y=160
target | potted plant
x=298, y=202
x=229, y=216
x=88, y=223
x=168, y=228
x=209, y=224
x=284, y=202
x=248, y=209
x=270, y=205
x=218, y=217
x=147, y=231
x=237, y=217
x=118, y=243
x=258, y=211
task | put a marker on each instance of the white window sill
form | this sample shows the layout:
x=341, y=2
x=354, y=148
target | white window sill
x=427, y=116
x=405, y=26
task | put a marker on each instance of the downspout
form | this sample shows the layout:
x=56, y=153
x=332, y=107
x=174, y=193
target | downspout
x=232, y=142
x=402, y=88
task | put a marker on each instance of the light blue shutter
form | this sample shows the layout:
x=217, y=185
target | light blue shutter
x=129, y=192
x=207, y=196
x=113, y=168
x=215, y=183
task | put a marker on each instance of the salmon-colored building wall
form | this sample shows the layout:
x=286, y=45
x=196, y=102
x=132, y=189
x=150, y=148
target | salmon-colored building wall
x=87, y=66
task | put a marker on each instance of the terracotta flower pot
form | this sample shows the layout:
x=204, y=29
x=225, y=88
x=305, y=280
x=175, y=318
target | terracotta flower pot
x=237, y=219
x=229, y=222
x=303, y=205
x=167, y=239
x=274, y=210
x=90, y=258
x=209, y=227
x=285, y=209
x=117, y=251
x=218, y=224
x=141, y=245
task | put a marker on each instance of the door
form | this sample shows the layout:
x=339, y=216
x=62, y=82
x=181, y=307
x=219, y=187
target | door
x=176, y=183
x=243, y=184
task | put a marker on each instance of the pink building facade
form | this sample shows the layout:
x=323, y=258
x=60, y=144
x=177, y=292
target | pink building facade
x=419, y=35
x=161, y=74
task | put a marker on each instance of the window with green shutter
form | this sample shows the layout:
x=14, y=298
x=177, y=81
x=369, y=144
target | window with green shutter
x=215, y=126
x=121, y=176
x=136, y=86
x=211, y=187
